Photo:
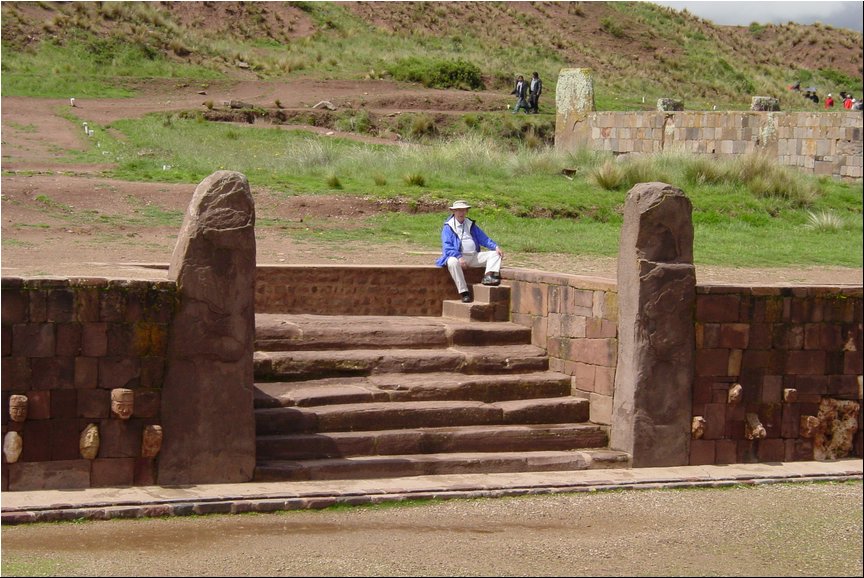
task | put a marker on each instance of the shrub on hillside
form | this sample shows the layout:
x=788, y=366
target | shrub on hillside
x=438, y=73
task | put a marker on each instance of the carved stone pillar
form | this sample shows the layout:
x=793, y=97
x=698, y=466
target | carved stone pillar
x=651, y=411
x=208, y=423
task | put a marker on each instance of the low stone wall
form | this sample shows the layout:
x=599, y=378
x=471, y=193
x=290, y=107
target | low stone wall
x=356, y=290
x=67, y=343
x=822, y=143
x=576, y=319
x=778, y=374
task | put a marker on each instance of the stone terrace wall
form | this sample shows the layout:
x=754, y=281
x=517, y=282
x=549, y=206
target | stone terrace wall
x=356, y=290
x=823, y=143
x=795, y=352
x=576, y=319
x=66, y=344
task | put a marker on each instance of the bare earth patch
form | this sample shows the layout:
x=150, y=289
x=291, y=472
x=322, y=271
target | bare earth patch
x=67, y=220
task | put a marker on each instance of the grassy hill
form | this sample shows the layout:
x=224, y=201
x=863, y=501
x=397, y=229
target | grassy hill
x=639, y=51
x=746, y=211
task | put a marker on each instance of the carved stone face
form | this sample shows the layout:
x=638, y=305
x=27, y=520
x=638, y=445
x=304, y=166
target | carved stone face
x=152, y=441
x=12, y=446
x=697, y=427
x=735, y=393
x=122, y=402
x=89, y=442
x=18, y=407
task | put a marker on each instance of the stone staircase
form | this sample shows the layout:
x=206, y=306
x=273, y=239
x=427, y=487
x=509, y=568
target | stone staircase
x=350, y=397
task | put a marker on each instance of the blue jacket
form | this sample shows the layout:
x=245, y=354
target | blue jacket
x=452, y=246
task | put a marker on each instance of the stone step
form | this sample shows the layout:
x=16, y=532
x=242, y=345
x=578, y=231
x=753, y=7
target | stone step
x=505, y=333
x=483, y=438
x=491, y=294
x=412, y=387
x=418, y=414
x=275, y=332
x=368, y=467
x=475, y=311
x=490, y=304
x=298, y=365
x=281, y=332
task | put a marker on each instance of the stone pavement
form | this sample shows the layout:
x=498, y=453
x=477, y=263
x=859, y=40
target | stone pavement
x=151, y=501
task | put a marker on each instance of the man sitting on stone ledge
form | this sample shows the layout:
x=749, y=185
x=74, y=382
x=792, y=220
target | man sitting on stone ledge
x=462, y=240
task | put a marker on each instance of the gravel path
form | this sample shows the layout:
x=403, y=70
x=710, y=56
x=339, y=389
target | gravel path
x=769, y=530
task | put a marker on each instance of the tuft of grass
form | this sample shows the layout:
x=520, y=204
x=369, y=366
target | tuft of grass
x=418, y=126
x=643, y=169
x=333, y=182
x=415, y=180
x=351, y=121
x=702, y=171
x=608, y=176
x=824, y=221
x=612, y=27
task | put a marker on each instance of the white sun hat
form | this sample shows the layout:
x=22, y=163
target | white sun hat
x=460, y=205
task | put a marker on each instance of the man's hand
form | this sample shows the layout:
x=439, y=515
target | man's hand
x=463, y=263
x=499, y=251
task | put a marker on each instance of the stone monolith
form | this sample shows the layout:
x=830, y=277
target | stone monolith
x=651, y=416
x=574, y=102
x=207, y=403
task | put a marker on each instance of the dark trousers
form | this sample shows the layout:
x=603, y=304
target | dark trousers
x=534, y=103
x=522, y=104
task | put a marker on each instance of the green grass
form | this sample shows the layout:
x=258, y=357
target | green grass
x=88, y=69
x=520, y=195
x=71, y=54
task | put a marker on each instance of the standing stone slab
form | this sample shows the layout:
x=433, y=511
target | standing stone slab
x=207, y=403
x=574, y=102
x=656, y=347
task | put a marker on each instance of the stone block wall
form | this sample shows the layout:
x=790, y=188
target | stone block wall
x=66, y=344
x=576, y=319
x=356, y=289
x=822, y=143
x=791, y=357
x=786, y=359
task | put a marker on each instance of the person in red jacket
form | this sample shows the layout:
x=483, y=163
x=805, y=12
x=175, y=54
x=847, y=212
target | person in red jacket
x=847, y=104
x=829, y=101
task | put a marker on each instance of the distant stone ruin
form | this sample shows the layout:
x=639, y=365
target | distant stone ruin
x=669, y=104
x=765, y=103
x=822, y=143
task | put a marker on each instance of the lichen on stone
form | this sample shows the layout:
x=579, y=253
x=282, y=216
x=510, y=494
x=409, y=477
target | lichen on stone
x=575, y=91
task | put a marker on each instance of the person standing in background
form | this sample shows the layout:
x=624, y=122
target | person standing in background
x=535, y=88
x=521, y=92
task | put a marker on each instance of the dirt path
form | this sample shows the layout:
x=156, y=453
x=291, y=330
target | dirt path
x=775, y=529
x=61, y=219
